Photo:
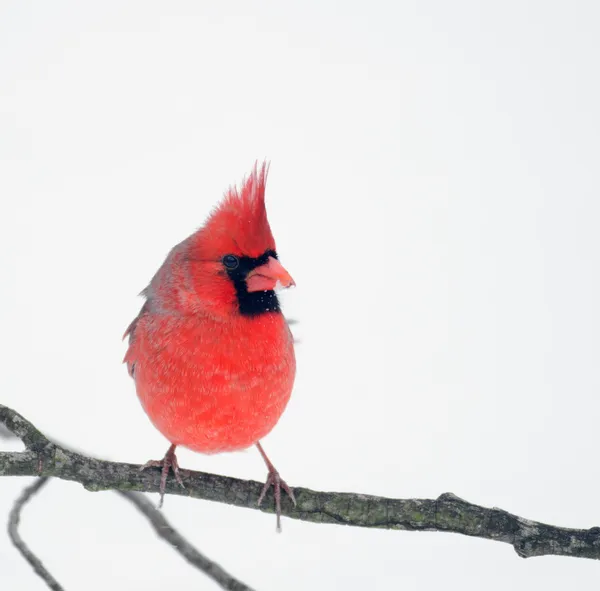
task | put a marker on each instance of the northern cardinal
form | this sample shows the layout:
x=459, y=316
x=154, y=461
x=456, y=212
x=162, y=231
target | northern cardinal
x=210, y=352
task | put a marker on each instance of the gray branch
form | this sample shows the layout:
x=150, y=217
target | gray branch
x=156, y=518
x=166, y=531
x=447, y=513
x=13, y=531
x=158, y=521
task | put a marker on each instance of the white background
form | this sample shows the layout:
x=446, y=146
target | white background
x=434, y=191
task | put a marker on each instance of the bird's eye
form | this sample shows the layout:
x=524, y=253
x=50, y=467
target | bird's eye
x=230, y=261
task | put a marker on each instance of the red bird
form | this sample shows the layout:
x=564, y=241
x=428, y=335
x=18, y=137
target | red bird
x=210, y=352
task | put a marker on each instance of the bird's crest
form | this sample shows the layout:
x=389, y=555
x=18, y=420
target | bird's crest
x=239, y=224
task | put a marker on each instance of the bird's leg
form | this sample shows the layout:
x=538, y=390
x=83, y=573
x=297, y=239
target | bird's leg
x=274, y=479
x=169, y=461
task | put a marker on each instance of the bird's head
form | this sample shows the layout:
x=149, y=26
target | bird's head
x=230, y=265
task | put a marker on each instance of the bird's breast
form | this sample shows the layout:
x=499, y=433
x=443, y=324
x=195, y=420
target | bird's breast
x=210, y=385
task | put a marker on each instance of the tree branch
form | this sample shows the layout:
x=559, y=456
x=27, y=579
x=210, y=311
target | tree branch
x=166, y=531
x=13, y=531
x=447, y=513
x=158, y=521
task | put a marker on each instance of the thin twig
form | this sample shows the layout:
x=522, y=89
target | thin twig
x=156, y=518
x=166, y=531
x=13, y=531
x=447, y=513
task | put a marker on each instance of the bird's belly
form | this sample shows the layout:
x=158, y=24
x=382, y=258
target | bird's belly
x=211, y=399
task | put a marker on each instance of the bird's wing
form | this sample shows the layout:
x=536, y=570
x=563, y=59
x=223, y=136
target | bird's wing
x=130, y=332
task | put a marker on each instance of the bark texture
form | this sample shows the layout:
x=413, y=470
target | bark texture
x=447, y=513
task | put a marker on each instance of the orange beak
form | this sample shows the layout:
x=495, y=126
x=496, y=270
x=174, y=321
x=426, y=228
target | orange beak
x=269, y=276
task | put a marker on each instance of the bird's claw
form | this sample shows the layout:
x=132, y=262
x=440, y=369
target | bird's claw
x=168, y=462
x=273, y=479
x=160, y=464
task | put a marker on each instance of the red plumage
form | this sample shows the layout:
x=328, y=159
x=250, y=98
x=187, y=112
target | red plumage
x=210, y=385
x=210, y=352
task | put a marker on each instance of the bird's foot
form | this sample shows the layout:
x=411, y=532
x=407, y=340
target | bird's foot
x=168, y=462
x=273, y=479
